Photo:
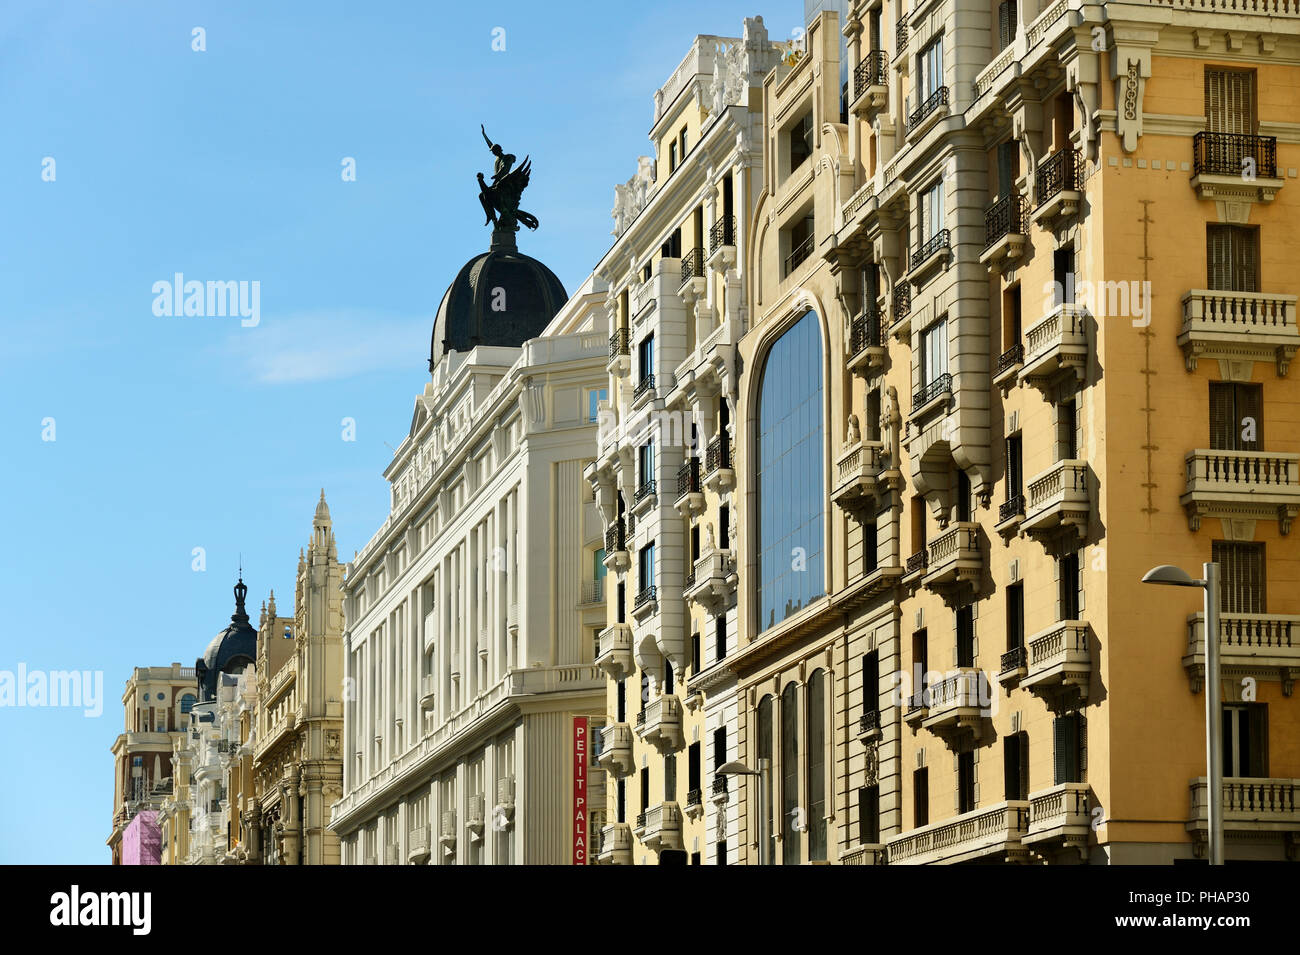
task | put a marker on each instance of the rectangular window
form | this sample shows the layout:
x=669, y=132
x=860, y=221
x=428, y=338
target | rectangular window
x=668, y=678
x=929, y=70
x=1245, y=740
x=722, y=852
x=672, y=157
x=670, y=777
x=930, y=213
x=693, y=783
x=1067, y=430
x=1069, y=733
x=594, y=397
x=1242, y=584
x=869, y=815
x=1006, y=24
x=1236, y=416
x=801, y=140
x=1011, y=320
x=645, y=788
x=965, y=636
x=934, y=352
x=621, y=701
x=646, y=357
x=695, y=653
x=719, y=747
x=646, y=455
x=920, y=663
x=966, y=782
x=1008, y=159
x=1015, y=616
x=1015, y=468
x=1230, y=101
x=622, y=801
x=1070, y=582
x=681, y=144
x=720, y=637
x=921, y=798
x=1063, y=276
x=1015, y=764
x=1232, y=258
x=646, y=566
x=871, y=682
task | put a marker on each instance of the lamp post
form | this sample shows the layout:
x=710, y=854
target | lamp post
x=1171, y=576
x=736, y=768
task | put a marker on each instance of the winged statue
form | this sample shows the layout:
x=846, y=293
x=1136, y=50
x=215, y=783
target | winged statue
x=500, y=197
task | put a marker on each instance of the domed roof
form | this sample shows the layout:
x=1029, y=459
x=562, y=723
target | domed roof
x=230, y=650
x=500, y=297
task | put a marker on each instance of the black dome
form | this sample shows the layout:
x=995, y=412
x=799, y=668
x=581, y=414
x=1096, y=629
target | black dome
x=230, y=650
x=501, y=297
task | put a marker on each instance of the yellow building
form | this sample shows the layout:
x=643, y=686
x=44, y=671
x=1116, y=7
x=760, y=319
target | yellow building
x=979, y=223
x=664, y=476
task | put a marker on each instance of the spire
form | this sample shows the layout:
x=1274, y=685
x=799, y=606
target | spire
x=270, y=607
x=322, y=510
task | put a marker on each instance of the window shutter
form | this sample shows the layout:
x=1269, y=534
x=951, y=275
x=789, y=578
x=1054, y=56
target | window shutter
x=1222, y=432
x=1214, y=116
x=1245, y=264
x=1081, y=747
x=1024, y=764
x=1079, y=559
x=1066, y=743
x=1218, y=258
x=1258, y=719
x=1249, y=404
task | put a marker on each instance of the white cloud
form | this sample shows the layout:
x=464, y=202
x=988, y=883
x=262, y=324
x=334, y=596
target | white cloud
x=329, y=345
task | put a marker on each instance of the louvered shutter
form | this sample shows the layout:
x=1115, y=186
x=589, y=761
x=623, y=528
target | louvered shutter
x=1218, y=258
x=1214, y=114
x=1241, y=576
x=1222, y=432
x=1245, y=264
x=1230, y=101
x=1249, y=400
x=1257, y=717
x=1065, y=737
x=1024, y=764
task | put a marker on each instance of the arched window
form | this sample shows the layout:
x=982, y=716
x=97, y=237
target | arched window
x=789, y=476
x=817, y=766
x=792, y=814
x=187, y=703
x=765, y=752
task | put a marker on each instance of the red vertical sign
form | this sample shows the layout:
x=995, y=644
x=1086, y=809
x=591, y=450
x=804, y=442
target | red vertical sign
x=580, y=834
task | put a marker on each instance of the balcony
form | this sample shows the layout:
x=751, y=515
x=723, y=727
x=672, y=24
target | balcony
x=712, y=579
x=620, y=345
x=428, y=688
x=925, y=257
x=1059, y=664
x=869, y=726
x=643, y=391
x=1055, y=345
x=616, y=750
x=1013, y=667
x=1060, y=501
x=900, y=36
x=1252, y=808
x=1058, y=184
x=718, y=472
x=646, y=603
x=958, y=704
x=418, y=842
x=1239, y=325
x=646, y=491
x=856, y=470
x=1261, y=646
x=1059, y=819
x=1007, y=371
x=693, y=281
x=954, y=558
x=991, y=835
x=615, y=657
x=722, y=243
x=866, y=341
x=592, y=592
x=615, y=844
x=662, y=724
x=616, y=553
x=690, y=493
x=1235, y=167
x=900, y=302
x=871, y=83
x=866, y=854
x=1005, y=229
x=719, y=789
x=1242, y=484
x=799, y=254
x=660, y=827
x=932, y=395
x=928, y=112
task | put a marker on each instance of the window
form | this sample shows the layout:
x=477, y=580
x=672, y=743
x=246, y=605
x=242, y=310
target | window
x=724, y=527
x=965, y=636
x=869, y=815
x=594, y=397
x=672, y=157
x=672, y=248
x=187, y=703
x=668, y=678
x=1070, y=590
x=1011, y=322
x=817, y=766
x=920, y=664
x=801, y=140
x=645, y=788
x=934, y=352
x=798, y=242
x=1063, y=276
x=622, y=800
x=670, y=777
x=1015, y=765
x=646, y=357
x=1070, y=733
x=1006, y=24
x=719, y=747
x=791, y=816
x=621, y=701
x=929, y=70
x=929, y=213
x=722, y=852
x=720, y=637
x=1015, y=616
x=1241, y=576
x=695, y=652
x=1067, y=430
x=1245, y=740
x=1236, y=416
x=1015, y=467
x=1232, y=258
x=921, y=797
x=693, y=783
x=765, y=752
x=1230, y=101
x=789, y=479
x=966, y=781
x=646, y=461
x=646, y=566
x=1008, y=162
x=871, y=682
x=681, y=144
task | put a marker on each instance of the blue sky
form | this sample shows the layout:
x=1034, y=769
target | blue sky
x=176, y=433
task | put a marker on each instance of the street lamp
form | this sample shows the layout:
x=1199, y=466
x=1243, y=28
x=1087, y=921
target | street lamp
x=736, y=768
x=1171, y=576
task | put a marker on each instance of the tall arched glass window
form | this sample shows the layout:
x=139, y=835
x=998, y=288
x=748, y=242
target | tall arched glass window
x=765, y=752
x=791, y=816
x=789, y=478
x=817, y=766
x=187, y=703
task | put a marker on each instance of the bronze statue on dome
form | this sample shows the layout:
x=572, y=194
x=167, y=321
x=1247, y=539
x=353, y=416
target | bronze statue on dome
x=500, y=198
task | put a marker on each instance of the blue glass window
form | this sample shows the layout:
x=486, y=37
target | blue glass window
x=187, y=703
x=790, y=479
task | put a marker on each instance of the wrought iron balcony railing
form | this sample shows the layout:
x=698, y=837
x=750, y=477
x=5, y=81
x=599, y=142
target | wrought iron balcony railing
x=644, y=596
x=869, y=722
x=932, y=245
x=1056, y=174
x=695, y=797
x=722, y=233
x=872, y=71
x=1013, y=659
x=927, y=106
x=719, y=785
x=798, y=254
x=900, y=36
x=688, y=478
x=1233, y=154
x=1005, y=217
x=646, y=384
x=645, y=490
x=933, y=390
x=1015, y=355
x=918, y=561
x=619, y=343
x=865, y=332
x=717, y=455
x=692, y=265
x=615, y=537
x=902, y=300
x=1011, y=507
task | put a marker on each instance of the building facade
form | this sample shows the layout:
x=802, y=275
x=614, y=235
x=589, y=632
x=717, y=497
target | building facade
x=472, y=615
x=664, y=476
